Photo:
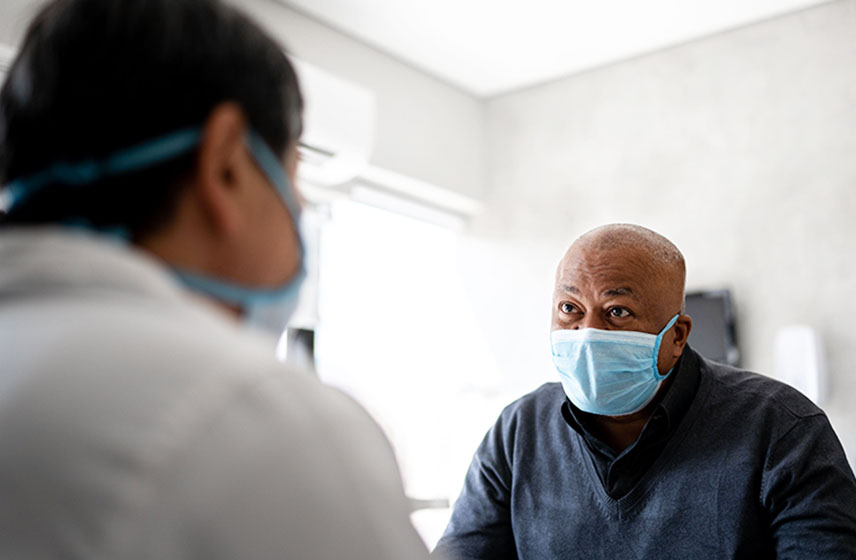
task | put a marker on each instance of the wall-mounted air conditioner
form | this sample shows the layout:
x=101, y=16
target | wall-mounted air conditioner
x=340, y=120
x=339, y=127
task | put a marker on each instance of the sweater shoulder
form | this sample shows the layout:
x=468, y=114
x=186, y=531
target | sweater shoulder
x=536, y=408
x=527, y=423
x=549, y=395
x=755, y=392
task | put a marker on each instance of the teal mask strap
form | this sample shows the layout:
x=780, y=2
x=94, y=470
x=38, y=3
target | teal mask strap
x=660, y=335
x=271, y=166
x=88, y=171
x=237, y=294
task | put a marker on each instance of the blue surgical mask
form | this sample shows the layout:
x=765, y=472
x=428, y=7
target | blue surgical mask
x=267, y=308
x=610, y=373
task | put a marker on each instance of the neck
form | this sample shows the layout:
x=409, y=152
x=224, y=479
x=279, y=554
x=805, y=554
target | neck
x=172, y=254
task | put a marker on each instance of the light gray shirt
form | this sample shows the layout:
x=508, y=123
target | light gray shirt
x=137, y=421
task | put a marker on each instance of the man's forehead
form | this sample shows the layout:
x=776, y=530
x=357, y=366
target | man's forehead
x=612, y=272
x=621, y=263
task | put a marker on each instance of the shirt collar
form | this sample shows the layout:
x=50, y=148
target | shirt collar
x=680, y=393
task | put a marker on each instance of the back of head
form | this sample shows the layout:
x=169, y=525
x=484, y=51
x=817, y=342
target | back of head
x=96, y=76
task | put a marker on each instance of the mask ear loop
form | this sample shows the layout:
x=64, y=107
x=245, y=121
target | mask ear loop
x=88, y=171
x=246, y=297
x=655, y=368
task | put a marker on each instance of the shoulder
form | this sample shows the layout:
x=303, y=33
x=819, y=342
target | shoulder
x=308, y=427
x=756, y=392
x=766, y=410
x=278, y=457
x=233, y=377
x=542, y=403
x=536, y=413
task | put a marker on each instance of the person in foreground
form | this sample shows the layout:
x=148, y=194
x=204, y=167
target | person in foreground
x=148, y=154
x=646, y=449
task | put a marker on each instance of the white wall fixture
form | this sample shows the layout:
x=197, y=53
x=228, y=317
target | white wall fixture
x=7, y=54
x=339, y=121
x=800, y=361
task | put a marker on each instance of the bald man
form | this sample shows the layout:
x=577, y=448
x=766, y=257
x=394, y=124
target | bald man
x=645, y=449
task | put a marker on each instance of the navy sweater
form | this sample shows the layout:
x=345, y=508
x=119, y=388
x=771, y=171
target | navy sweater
x=753, y=470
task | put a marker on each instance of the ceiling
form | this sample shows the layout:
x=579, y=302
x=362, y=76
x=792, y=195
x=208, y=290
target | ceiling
x=490, y=47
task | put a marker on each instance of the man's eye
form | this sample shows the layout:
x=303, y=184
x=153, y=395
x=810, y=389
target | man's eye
x=619, y=312
x=567, y=308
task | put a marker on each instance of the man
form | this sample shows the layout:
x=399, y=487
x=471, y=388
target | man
x=148, y=153
x=645, y=449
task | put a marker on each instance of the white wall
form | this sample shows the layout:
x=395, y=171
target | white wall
x=741, y=148
x=14, y=17
x=427, y=129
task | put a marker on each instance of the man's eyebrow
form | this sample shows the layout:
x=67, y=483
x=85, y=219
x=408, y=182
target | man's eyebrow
x=568, y=288
x=619, y=292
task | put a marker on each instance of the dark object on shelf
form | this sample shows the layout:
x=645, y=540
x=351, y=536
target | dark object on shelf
x=713, y=334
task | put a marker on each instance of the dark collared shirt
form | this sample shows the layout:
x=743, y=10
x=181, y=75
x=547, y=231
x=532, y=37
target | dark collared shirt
x=619, y=472
x=752, y=470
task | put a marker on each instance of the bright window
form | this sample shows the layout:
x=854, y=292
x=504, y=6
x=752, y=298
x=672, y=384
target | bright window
x=396, y=331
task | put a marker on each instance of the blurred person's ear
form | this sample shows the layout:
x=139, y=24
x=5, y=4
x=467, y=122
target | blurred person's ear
x=222, y=164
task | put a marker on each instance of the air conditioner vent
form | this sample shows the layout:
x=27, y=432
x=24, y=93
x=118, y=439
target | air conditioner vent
x=339, y=127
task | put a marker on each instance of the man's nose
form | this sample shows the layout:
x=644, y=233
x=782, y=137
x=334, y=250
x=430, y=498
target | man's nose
x=592, y=321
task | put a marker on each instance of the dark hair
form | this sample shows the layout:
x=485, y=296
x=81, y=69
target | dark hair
x=96, y=76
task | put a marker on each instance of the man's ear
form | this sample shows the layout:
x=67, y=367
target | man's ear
x=682, y=329
x=221, y=153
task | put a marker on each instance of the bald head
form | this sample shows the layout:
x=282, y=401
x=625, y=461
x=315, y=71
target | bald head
x=660, y=251
x=625, y=262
